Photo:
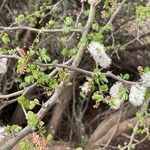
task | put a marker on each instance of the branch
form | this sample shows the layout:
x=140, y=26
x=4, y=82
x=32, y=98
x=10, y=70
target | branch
x=109, y=74
x=116, y=12
x=88, y=73
x=10, y=56
x=25, y=90
x=7, y=103
x=55, y=5
x=12, y=94
x=136, y=38
x=2, y=28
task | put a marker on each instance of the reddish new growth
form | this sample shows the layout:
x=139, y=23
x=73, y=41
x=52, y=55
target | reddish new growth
x=22, y=70
x=39, y=141
x=21, y=52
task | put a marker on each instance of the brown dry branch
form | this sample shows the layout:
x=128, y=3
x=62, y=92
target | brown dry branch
x=57, y=113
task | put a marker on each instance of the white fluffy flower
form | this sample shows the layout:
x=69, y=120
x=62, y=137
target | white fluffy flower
x=98, y=53
x=136, y=96
x=87, y=86
x=2, y=132
x=146, y=79
x=84, y=88
x=3, y=65
x=115, y=95
x=114, y=90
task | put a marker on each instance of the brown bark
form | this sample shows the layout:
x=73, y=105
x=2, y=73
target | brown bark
x=107, y=124
x=58, y=111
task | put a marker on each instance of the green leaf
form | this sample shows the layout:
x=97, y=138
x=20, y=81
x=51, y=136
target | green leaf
x=95, y=26
x=23, y=101
x=29, y=79
x=66, y=29
x=146, y=69
x=36, y=101
x=98, y=36
x=83, y=40
x=97, y=72
x=126, y=77
x=97, y=97
x=20, y=19
x=103, y=79
x=106, y=28
x=142, y=12
x=147, y=95
x=24, y=145
x=42, y=53
x=32, y=21
x=30, y=53
x=49, y=137
x=51, y=23
x=32, y=119
x=32, y=105
x=5, y=38
x=104, y=88
x=65, y=52
x=68, y=21
x=123, y=93
x=13, y=129
x=113, y=103
x=72, y=52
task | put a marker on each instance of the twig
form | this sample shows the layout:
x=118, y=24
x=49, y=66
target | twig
x=12, y=94
x=51, y=10
x=77, y=21
x=116, y=12
x=136, y=38
x=88, y=73
x=10, y=56
x=129, y=137
x=2, y=28
x=2, y=5
x=7, y=103
x=24, y=91
x=115, y=130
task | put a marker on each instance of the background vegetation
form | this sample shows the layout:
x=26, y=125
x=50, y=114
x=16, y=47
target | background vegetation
x=74, y=74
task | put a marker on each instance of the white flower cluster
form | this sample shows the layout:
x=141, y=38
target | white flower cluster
x=98, y=53
x=86, y=87
x=146, y=79
x=3, y=65
x=115, y=95
x=2, y=132
x=136, y=96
